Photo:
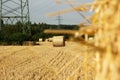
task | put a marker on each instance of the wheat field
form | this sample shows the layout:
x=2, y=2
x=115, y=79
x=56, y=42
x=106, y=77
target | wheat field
x=45, y=62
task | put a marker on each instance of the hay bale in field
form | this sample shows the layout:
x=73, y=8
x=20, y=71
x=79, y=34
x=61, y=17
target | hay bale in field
x=46, y=40
x=28, y=43
x=37, y=43
x=50, y=39
x=58, y=41
x=40, y=39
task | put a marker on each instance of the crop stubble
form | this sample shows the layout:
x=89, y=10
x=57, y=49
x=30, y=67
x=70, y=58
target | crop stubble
x=44, y=62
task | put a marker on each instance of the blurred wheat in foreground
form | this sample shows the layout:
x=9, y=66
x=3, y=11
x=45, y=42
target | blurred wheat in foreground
x=107, y=20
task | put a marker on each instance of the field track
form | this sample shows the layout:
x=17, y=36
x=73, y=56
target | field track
x=44, y=62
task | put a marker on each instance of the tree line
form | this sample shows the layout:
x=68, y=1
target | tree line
x=13, y=34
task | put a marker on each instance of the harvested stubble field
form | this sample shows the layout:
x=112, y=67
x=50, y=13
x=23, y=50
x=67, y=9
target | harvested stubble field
x=45, y=62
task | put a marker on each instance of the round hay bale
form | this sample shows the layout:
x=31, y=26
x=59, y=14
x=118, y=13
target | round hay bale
x=50, y=39
x=37, y=43
x=46, y=40
x=58, y=41
x=28, y=43
x=40, y=39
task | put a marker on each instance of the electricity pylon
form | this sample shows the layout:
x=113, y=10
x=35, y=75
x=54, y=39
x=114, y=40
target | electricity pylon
x=59, y=21
x=12, y=11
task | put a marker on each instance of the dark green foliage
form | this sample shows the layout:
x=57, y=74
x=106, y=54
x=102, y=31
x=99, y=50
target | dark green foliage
x=12, y=34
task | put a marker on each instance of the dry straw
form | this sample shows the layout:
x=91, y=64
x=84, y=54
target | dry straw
x=107, y=18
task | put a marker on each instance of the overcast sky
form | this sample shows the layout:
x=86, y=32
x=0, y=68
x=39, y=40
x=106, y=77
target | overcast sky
x=40, y=8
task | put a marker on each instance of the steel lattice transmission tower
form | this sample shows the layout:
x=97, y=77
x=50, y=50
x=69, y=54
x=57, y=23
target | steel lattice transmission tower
x=12, y=11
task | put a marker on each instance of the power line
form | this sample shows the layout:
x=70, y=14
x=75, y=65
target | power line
x=12, y=11
x=59, y=21
x=79, y=12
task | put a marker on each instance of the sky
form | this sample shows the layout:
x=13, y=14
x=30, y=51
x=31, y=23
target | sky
x=39, y=9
